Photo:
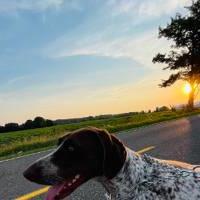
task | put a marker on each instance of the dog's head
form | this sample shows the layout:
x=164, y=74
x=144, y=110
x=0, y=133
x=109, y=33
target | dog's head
x=80, y=156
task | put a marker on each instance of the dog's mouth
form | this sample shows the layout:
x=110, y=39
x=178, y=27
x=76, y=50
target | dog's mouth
x=64, y=189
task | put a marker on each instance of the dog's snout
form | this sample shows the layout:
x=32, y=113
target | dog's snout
x=34, y=173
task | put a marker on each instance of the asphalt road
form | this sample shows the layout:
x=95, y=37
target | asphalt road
x=178, y=140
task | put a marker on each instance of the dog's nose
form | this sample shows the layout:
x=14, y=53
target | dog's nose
x=34, y=173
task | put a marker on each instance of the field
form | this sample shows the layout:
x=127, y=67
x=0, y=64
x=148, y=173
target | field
x=22, y=142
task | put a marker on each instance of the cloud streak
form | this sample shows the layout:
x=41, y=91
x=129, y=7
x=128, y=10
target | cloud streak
x=17, y=79
x=119, y=38
x=147, y=8
x=141, y=48
x=35, y=5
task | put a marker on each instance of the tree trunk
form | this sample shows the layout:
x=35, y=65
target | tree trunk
x=191, y=98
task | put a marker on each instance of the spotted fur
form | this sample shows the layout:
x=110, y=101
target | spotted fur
x=146, y=178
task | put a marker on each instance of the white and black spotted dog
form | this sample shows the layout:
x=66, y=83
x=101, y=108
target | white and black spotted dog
x=94, y=153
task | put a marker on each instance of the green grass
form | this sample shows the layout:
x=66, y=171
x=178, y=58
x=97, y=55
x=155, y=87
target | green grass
x=22, y=142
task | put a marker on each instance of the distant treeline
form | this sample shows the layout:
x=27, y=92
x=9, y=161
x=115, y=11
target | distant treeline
x=109, y=116
x=82, y=119
x=38, y=122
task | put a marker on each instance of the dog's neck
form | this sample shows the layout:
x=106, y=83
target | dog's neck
x=129, y=175
x=143, y=177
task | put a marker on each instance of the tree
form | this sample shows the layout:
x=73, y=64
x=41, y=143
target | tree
x=161, y=109
x=49, y=122
x=2, y=129
x=11, y=127
x=39, y=122
x=184, y=58
x=28, y=124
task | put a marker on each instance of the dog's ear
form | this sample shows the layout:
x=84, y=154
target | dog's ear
x=114, y=153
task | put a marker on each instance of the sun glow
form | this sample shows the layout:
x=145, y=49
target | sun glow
x=187, y=88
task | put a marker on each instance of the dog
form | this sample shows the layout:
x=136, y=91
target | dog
x=92, y=153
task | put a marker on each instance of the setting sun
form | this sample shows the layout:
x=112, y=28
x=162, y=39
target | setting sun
x=187, y=88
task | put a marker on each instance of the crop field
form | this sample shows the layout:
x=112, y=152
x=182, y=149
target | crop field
x=22, y=142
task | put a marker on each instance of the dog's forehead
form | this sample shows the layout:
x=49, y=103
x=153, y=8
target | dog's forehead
x=85, y=136
x=78, y=134
x=82, y=134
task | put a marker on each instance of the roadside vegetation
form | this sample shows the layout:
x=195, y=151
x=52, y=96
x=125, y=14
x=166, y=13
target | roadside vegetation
x=22, y=142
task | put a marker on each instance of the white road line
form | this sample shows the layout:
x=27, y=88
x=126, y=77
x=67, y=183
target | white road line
x=27, y=155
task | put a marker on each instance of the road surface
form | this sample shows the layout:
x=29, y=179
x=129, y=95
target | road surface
x=179, y=140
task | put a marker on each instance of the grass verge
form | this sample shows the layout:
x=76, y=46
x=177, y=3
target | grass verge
x=19, y=143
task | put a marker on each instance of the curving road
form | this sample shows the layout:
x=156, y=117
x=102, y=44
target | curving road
x=179, y=139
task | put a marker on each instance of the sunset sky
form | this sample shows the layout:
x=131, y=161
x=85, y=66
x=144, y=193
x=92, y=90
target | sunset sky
x=72, y=58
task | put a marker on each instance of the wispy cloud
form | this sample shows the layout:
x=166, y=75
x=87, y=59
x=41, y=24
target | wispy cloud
x=17, y=79
x=141, y=48
x=36, y=5
x=120, y=38
x=146, y=8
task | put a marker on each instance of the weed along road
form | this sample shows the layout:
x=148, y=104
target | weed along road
x=179, y=139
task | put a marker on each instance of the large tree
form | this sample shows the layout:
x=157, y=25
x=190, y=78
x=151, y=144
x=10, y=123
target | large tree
x=184, y=57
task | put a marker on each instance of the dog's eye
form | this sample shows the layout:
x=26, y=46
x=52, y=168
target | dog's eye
x=70, y=148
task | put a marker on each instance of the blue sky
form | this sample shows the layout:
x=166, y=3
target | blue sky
x=70, y=58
